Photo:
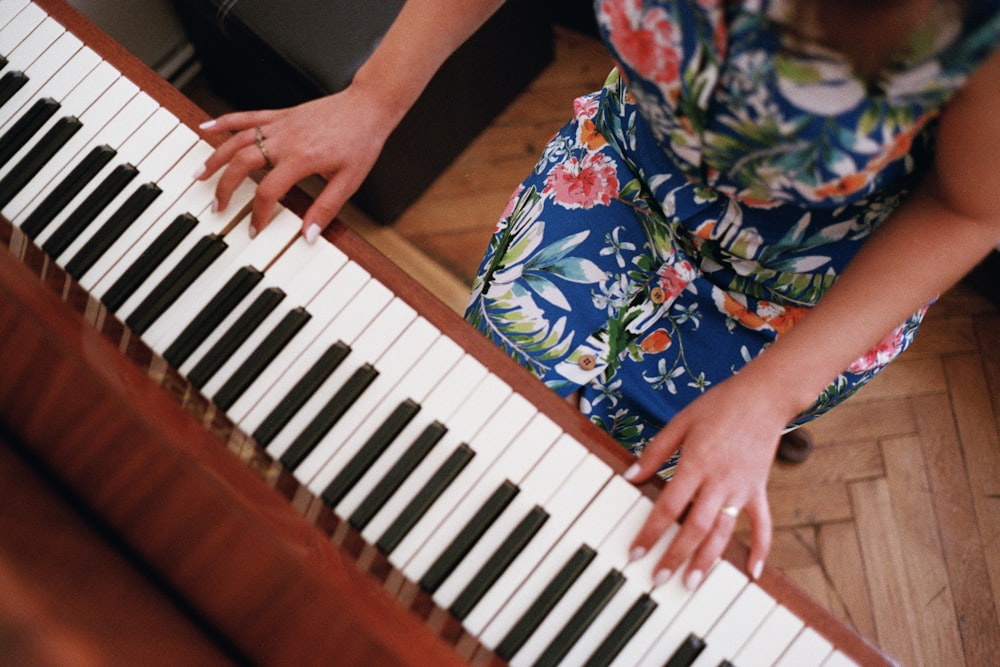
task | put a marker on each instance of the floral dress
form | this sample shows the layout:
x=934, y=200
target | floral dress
x=697, y=206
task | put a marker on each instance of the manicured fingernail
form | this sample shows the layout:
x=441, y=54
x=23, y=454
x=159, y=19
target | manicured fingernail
x=661, y=577
x=693, y=579
x=632, y=472
x=312, y=233
x=197, y=173
x=207, y=125
x=757, y=570
x=636, y=554
x=215, y=206
x=252, y=231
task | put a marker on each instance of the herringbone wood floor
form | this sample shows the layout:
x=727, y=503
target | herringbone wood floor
x=894, y=522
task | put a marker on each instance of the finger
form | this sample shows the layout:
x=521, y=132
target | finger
x=236, y=171
x=670, y=504
x=325, y=207
x=759, y=513
x=239, y=120
x=271, y=188
x=711, y=548
x=700, y=520
x=657, y=451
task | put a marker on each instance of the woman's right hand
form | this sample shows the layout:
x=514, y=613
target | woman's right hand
x=338, y=137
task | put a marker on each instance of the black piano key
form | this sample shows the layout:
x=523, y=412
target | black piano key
x=300, y=393
x=498, y=562
x=112, y=229
x=622, y=633
x=235, y=336
x=421, y=502
x=328, y=416
x=37, y=157
x=453, y=554
x=545, y=602
x=399, y=471
x=687, y=652
x=25, y=127
x=3, y=62
x=191, y=266
x=96, y=201
x=148, y=261
x=10, y=83
x=60, y=196
x=269, y=348
x=211, y=316
x=726, y=663
x=581, y=619
x=373, y=448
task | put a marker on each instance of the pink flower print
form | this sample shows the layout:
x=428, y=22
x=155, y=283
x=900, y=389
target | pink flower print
x=583, y=183
x=643, y=38
x=585, y=107
x=509, y=208
x=674, y=278
x=881, y=354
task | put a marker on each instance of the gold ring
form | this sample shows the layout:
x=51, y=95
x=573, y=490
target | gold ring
x=730, y=510
x=259, y=138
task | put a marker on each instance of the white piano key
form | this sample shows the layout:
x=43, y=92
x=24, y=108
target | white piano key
x=347, y=326
x=74, y=92
x=417, y=382
x=286, y=369
x=120, y=256
x=243, y=252
x=160, y=159
x=439, y=404
x=537, y=463
x=301, y=272
x=604, y=623
x=11, y=8
x=809, y=649
x=770, y=640
x=392, y=363
x=240, y=252
x=614, y=502
x=94, y=119
x=721, y=586
x=480, y=404
x=19, y=27
x=838, y=659
x=569, y=501
x=43, y=62
x=132, y=150
x=416, y=553
x=736, y=626
x=573, y=600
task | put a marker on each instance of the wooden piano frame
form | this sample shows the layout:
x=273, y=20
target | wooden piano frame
x=261, y=568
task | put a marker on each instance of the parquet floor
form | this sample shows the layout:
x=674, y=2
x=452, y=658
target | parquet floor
x=894, y=522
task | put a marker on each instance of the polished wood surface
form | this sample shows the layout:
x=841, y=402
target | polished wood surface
x=264, y=564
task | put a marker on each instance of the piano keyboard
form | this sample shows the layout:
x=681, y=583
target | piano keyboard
x=472, y=495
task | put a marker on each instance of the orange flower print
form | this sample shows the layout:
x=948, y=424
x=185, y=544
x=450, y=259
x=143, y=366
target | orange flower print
x=656, y=342
x=590, y=136
x=781, y=318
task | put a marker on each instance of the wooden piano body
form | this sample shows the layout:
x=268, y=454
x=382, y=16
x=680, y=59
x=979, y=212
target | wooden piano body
x=204, y=548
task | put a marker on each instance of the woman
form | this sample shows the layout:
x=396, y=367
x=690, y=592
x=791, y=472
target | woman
x=732, y=172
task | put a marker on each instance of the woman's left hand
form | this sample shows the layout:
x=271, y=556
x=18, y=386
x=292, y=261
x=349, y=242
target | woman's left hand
x=728, y=448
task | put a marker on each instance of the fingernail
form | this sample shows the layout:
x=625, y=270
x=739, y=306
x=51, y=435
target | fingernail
x=197, y=173
x=215, y=206
x=661, y=577
x=312, y=233
x=636, y=554
x=693, y=579
x=757, y=570
x=252, y=231
x=207, y=125
x=632, y=472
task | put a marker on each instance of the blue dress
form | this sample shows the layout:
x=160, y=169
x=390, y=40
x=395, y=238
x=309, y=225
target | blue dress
x=700, y=203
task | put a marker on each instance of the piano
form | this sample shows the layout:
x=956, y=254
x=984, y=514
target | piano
x=291, y=453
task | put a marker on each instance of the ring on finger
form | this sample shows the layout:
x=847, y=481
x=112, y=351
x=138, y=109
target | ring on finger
x=730, y=510
x=259, y=139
